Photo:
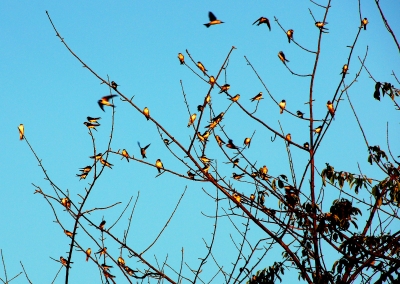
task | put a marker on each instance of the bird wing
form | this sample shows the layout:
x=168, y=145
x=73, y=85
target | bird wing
x=100, y=105
x=211, y=16
x=257, y=20
x=147, y=146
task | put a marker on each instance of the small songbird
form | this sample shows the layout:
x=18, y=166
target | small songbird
x=88, y=252
x=263, y=171
x=143, y=150
x=192, y=118
x=105, y=163
x=263, y=20
x=21, y=131
x=364, y=23
x=159, y=165
x=321, y=25
x=236, y=196
x=345, y=68
x=219, y=117
x=288, y=137
x=213, y=20
x=181, y=58
x=200, y=108
x=106, y=267
x=235, y=162
x=96, y=157
x=207, y=99
x=206, y=168
x=93, y=119
x=247, y=142
x=219, y=140
x=107, y=274
x=102, y=251
x=68, y=233
x=282, y=106
x=91, y=125
x=206, y=134
x=63, y=261
x=166, y=142
x=318, y=129
x=130, y=271
x=121, y=261
x=231, y=145
x=235, y=98
x=236, y=176
x=257, y=97
x=252, y=197
x=86, y=169
x=82, y=175
x=289, y=34
x=300, y=114
x=201, y=67
x=125, y=154
x=306, y=145
x=114, y=85
x=224, y=88
x=200, y=137
x=146, y=113
x=211, y=80
x=282, y=57
x=66, y=202
x=101, y=226
x=330, y=107
x=190, y=174
x=105, y=101
x=205, y=160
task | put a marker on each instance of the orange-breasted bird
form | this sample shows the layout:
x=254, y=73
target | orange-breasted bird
x=121, y=261
x=289, y=34
x=282, y=106
x=101, y=226
x=235, y=98
x=247, y=141
x=237, y=197
x=86, y=169
x=345, y=68
x=263, y=20
x=96, y=157
x=82, y=175
x=252, y=197
x=93, y=119
x=219, y=140
x=106, y=267
x=63, y=261
x=104, y=101
x=288, y=137
x=257, y=97
x=125, y=154
x=201, y=67
x=213, y=20
x=88, y=252
x=330, y=107
x=181, y=58
x=364, y=23
x=205, y=160
x=159, y=165
x=321, y=25
x=146, y=113
x=102, y=251
x=282, y=57
x=114, y=85
x=318, y=129
x=192, y=118
x=211, y=80
x=66, y=202
x=91, y=125
x=105, y=163
x=143, y=150
x=68, y=233
x=224, y=88
x=231, y=145
x=107, y=274
x=21, y=131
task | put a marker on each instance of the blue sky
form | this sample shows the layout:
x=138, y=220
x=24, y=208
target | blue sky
x=136, y=44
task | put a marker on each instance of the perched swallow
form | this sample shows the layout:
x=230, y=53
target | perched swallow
x=159, y=165
x=200, y=137
x=125, y=154
x=66, y=202
x=143, y=150
x=96, y=157
x=63, y=261
x=102, y=251
x=224, y=88
x=114, y=85
x=364, y=23
x=235, y=98
x=129, y=270
x=101, y=226
x=107, y=274
x=207, y=99
x=247, y=142
x=321, y=25
x=219, y=117
x=235, y=162
x=282, y=105
x=257, y=97
x=106, y=267
x=263, y=20
x=288, y=137
x=190, y=174
x=82, y=175
x=146, y=113
x=330, y=107
x=121, y=261
x=219, y=140
x=201, y=67
x=93, y=119
x=205, y=160
x=91, y=125
x=68, y=233
x=212, y=125
x=263, y=171
x=345, y=68
x=282, y=57
x=105, y=163
x=318, y=129
x=21, y=131
x=205, y=135
x=181, y=58
x=252, y=197
x=231, y=145
x=206, y=168
x=166, y=142
x=88, y=252
x=306, y=145
x=105, y=101
x=300, y=114
x=289, y=34
x=86, y=169
x=211, y=81
x=237, y=197
x=200, y=108
x=254, y=174
x=192, y=118
x=213, y=20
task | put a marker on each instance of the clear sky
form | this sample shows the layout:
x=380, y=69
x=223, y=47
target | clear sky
x=136, y=43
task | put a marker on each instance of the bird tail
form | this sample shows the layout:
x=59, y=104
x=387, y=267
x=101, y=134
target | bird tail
x=207, y=25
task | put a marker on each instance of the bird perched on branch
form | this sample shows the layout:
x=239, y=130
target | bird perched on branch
x=282, y=106
x=125, y=154
x=159, y=165
x=146, y=113
x=282, y=57
x=364, y=23
x=263, y=20
x=330, y=107
x=21, y=131
x=201, y=67
x=289, y=34
x=213, y=20
x=192, y=118
x=181, y=58
x=257, y=97
x=224, y=88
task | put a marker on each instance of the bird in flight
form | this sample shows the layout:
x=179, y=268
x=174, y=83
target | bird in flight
x=213, y=20
x=263, y=20
x=105, y=101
